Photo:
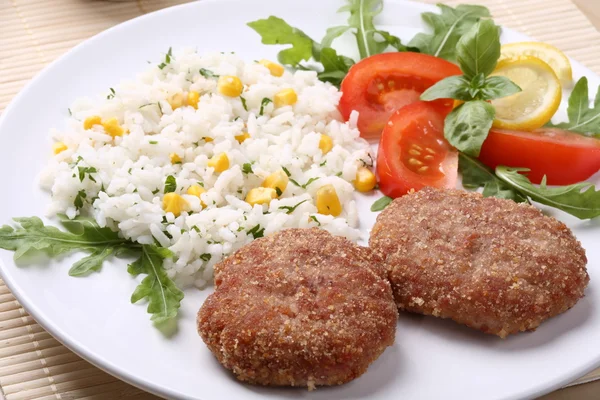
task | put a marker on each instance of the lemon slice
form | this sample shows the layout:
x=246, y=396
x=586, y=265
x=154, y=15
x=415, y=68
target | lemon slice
x=549, y=54
x=536, y=103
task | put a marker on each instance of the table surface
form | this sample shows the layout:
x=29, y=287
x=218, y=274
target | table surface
x=589, y=391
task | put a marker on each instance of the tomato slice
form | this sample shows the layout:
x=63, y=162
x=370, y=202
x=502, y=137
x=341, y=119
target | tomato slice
x=381, y=84
x=564, y=157
x=413, y=153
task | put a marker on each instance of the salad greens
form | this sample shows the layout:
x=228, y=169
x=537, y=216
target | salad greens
x=582, y=118
x=448, y=27
x=30, y=237
x=477, y=52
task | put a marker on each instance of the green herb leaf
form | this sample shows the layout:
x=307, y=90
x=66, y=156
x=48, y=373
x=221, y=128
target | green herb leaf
x=581, y=199
x=475, y=175
x=93, y=262
x=332, y=34
x=287, y=172
x=247, y=168
x=167, y=61
x=315, y=219
x=79, y=199
x=335, y=67
x=263, y=104
x=478, y=50
x=292, y=209
x=582, y=118
x=468, y=125
x=208, y=73
x=395, y=42
x=278, y=191
x=257, y=232
x=274, y=30
x=111, y=94
x=362, y=13
x=243, y=100
x=82, y=171
x=381, y=203
x=31, y=236
x=170, y=184
x=496, y=87
x=453, y=87
x=448, y=27
x=206, y=257
x=164, y=297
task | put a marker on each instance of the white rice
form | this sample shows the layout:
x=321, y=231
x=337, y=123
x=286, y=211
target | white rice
x=130, y=169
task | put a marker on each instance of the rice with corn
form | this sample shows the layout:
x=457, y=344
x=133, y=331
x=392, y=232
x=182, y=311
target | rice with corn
x=178, y=157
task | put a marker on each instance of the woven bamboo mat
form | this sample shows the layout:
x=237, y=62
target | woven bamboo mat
x=33, y=365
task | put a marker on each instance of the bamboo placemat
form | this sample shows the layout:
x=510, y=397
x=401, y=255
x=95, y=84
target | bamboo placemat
x=33, y=365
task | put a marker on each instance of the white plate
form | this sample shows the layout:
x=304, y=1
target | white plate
x=431, y=359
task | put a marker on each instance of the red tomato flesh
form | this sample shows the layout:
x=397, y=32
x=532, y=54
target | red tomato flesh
x=381, y=84
x=564, y=157
x=413, y=153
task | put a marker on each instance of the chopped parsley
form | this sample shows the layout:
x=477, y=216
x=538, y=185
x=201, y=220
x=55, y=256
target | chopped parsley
x=315, y=219
x=257, y=232
x=263, y=104
x=278, y=191
x=170, y=184
x=79, y=199
x=153, y=142
x=247, y=168
x=311, y=180
x=292, y=209
x=111, y=94
x=168, y=58
x=207, y=73
x=206, y=257
x=87, y=170
x=243, y=100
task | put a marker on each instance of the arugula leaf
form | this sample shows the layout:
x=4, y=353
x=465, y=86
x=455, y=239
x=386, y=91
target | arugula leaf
x=448, y=27
x=581, y=199
x=582, y=118
x=170, y=184
x=468, y=125
x=332, y=34
x=93, y=262
x=381, y=203
x=263, y=104
x=335, y=67
x=362, y=13
x=31, y=236
x=478, y=50
x=164, y=297
x=292, y=209
x=475, y=174
x=275, y=30
x=207, y=73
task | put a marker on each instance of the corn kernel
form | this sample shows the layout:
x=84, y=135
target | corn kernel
x=220, y=162
x=208, y=139
x=112, y=127
x=174, y=203
x=193, y=98
x=327, y=201
x=274, y=68
x=197, y=190
x=242, y=138
x=325, y=144
x=229, y=85
x=175, y=159
x=91, y=121
x=260, y=195
x=59, y=147
x=286, y=97
x=176, y=100
x=278, y=180
x=365, y=180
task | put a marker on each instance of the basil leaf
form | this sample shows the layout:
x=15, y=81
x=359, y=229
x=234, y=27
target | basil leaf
x=581, y=199
x=453, y=87
x=381, y=203
x=275, y=30
x=478, y=50
x=496, y=87
x=468, y=125
x=164, y=297
x=475, y=175
x=582, y=118
x=447, y=27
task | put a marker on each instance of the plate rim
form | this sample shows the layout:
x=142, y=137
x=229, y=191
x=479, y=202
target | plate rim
x=122, y=374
